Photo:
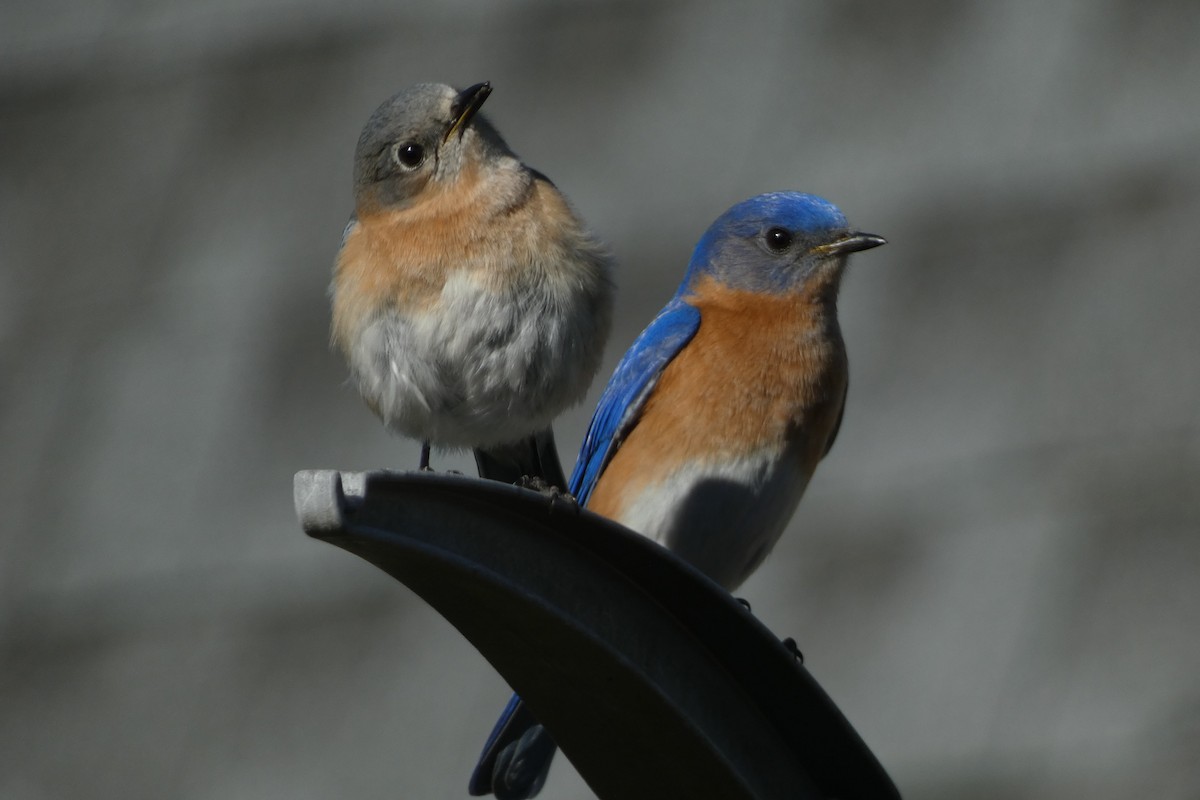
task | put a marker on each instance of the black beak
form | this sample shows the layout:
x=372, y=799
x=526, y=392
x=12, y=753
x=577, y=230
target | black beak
x=466, y=106
x=852, y=243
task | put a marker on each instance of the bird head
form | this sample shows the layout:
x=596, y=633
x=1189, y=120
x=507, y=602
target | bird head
x=780, y=242
x=427, y=134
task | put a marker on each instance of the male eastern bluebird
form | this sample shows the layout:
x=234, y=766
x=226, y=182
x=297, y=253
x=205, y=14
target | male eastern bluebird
x=468, y=299
x=714, y=421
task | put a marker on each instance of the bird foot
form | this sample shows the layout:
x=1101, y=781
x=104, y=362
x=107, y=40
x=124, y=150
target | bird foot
x=557, y=496
x=794, y=649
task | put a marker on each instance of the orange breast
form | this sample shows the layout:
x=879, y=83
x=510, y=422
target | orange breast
x=401, y=258
x=499, y=226
x=763, y=371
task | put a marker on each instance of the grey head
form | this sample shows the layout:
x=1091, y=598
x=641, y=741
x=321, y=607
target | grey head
x=428, y=133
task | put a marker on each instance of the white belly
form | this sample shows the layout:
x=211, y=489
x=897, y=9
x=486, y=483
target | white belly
x=722, y=518
x=482, y=369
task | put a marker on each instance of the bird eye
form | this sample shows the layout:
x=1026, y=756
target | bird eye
x=409, y=155
x=779, y=239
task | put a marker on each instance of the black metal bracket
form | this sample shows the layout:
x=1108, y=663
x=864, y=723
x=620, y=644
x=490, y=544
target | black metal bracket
x=654, y=681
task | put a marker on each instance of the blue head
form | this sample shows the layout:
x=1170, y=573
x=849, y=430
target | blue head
x=778, y=242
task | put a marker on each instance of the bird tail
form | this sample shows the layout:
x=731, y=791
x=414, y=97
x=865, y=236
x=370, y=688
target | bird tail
x=535, y=456
x=518, y=752
x=516, y=756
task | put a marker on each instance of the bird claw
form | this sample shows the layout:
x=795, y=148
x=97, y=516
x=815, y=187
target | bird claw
x=794, y=649
x=557, y=496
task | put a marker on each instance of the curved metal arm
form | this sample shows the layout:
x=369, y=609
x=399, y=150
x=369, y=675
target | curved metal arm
x=653, y=680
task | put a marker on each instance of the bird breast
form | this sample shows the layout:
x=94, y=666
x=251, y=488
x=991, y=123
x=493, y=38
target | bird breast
x=472, y=334
x=732, y=432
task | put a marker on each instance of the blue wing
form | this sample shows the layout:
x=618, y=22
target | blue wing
x=627, y=390
x=517, y=754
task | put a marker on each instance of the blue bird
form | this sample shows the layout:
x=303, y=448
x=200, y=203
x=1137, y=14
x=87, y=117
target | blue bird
x=713, y=423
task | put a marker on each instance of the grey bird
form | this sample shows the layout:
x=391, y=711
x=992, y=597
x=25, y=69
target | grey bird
x=469, y=300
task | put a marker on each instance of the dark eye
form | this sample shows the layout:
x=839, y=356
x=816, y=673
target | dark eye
x=779, y=239
x=409, y=155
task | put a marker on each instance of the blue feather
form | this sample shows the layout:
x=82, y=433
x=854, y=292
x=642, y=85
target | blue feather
x=627, y=391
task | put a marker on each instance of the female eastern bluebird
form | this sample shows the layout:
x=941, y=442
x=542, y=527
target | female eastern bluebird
x=468, y=299
x=713, y=423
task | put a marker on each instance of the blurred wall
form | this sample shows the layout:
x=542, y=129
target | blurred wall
x=996, y=573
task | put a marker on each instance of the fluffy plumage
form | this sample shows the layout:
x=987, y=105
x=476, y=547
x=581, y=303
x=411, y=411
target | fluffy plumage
x=470, y=302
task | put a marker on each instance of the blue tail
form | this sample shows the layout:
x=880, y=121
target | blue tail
x=518, y=752
x=516, y=757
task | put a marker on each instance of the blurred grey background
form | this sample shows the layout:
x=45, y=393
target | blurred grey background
x=996, y=573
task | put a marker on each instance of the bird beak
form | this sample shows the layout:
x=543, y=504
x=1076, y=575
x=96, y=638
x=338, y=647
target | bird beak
x=851, y=243
x=465, y=106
